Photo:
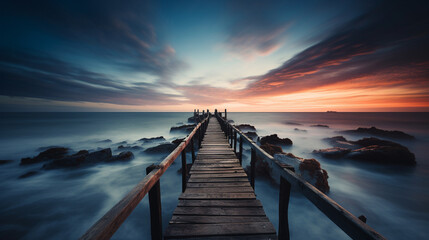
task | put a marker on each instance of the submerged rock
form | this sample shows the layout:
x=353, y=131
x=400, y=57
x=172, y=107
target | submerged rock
x=5, y=161
x=300, y=130
x=274, y=139
x=271, y=149
x=369, y=149
x=28, y=174
x=134, y=148
x=153, y=139
x=252, y=135
x=177, y=141
x=245, y=127
x=162, y=148
x=184, y=128
x=193, y=119
x=83, y=157
x=105, y=141
x=293, y=123
x=50, y=154
x=123, y=156
x=320, y=126
x=380, y=133
x=335, y=152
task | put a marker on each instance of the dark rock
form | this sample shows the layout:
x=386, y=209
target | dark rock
x=274, y=139
x=177, y=141
x=230, y=121
x=41, y=149
x=135, y=148
x=193, y=119
x=335, y=152
x=50, y=154
x=300, y=130
x=251, y=135
x=320, y=126
x=271, y=149
x=99, y=156
x=184, y=128
x=380, y=133
x=362, y=218
x=245, y=127
x=340, y=141
x=153, y=139
x=28, y=174
x=80, y=158
x=162, y=148
x=105, y=141
x=365, y=142
x=121, y=143
x=5, y=161
x=384, y=154
x=123, y=156
x=312, y=166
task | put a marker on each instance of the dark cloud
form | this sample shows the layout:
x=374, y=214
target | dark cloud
x=391, y=37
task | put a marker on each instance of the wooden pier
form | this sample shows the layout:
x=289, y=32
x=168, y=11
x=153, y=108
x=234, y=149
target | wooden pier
x=219, y=200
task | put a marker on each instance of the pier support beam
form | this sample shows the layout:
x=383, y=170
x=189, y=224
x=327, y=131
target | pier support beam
x=155, y=208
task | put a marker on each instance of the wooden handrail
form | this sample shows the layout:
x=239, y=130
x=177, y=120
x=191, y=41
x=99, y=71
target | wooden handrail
x=107, y=225
x=350, y=224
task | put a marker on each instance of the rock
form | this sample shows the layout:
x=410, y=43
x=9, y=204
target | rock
x=320, y=126
x=123, y=156
x=340, y=141
x=365, y=142
x=384, y=155
x=274, y=139
x=252, y=135
x=193, y=119
x=177, y=141
x=153, y=139
x=380, y=133
x=80, y=158
x=230, y=121
x=184, y=128
x=246, y=127
x=5, y=161
x=28, y=174
x=335, y=152
x=271, y=149
x=105, y=141
x=50, y=154
x=293, y=123
x=162, y=148
x=121, y=143
x=134, y=148
x=309, y=169
x=300, y=130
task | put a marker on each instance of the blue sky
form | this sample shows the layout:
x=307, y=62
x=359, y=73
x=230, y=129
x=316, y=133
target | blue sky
x=244, y=55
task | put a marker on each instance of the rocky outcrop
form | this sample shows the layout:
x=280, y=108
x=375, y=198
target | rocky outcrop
x=271, y=149
x=123, y=156
x=380, y=133
x=28, y=174
x=252, y=135
x=83, y=157
x=300, y=130
x=133, y=148
x=309, y=169
x=161, y=149
x=5, y=161
x=370, y=150
x=177, y=141
x=320, y=126
x=184, y=128
x=193, y=119
x=246, y=127
x=105, y=141
x=152, y=140
x=50, y=154
x=293, y=123
x=274, y=139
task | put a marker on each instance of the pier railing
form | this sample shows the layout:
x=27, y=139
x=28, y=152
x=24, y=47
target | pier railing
x=351, y=225
x=107, y=225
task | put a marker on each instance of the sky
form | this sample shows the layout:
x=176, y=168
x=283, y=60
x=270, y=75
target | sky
x=282, y=56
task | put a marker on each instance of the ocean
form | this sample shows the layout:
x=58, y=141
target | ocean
x=64, y=203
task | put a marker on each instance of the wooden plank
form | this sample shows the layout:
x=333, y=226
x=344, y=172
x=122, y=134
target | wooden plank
x=218, y=196
x=209, y=168
x=212, y=180
x=225, y=175
x=201, y=230
x=177, y=219
x=220, y=211
x=220, y=190
x=216, y=172
x=219, y=203
x=217, y=185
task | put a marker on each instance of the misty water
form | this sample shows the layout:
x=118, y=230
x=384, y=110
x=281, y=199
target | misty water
x=64, y=203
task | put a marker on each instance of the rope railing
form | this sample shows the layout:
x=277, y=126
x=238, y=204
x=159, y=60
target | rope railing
x=351, y=225
x=108, y=224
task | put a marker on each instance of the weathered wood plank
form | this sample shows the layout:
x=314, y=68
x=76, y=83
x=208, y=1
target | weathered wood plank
x=201, y=230
x=220, y=190
x=225, y=175
x=220, y=211
x=212, y=180
x=176, y=219
x=219, y=203
x=218, y=196
x=217, y=185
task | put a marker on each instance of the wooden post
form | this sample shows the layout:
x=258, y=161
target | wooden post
x=240, y=149
x=252, y=168
x=192, y=150
x=283, y=209
x=225, y=114
x=184, y=170
x=235, y=141
x=199, y=138
x=155, y=208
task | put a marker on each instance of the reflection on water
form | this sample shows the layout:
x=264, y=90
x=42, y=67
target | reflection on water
x=62, y=204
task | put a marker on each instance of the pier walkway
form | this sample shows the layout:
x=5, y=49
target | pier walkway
x=219, y=200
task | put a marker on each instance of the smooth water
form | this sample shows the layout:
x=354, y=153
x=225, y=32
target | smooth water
x=62, y=204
